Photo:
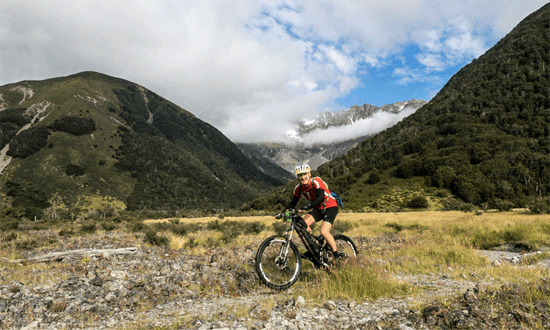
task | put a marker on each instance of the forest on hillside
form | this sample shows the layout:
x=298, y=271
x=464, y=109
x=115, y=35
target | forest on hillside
x=484, y=138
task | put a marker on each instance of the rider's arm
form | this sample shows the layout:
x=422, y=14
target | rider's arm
x=318, y=200
x=293, y=202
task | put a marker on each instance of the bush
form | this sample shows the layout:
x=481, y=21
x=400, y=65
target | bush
x=232, y=229
x=500, y=204
x=373, y=178
x=8, y=224
x=152, y=238
x=540, y=206
x=74, y=125
x=108, y=226
x=136, y=227
x=342, y=226
x=66, y=232
x=280, y=227
x=419, y=202
x=10, y=237
x=75, y=170
x=26, y=245
x=88, y=228
x=28, y=142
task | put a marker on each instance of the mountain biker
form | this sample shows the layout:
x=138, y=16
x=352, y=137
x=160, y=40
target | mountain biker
x=322, y=204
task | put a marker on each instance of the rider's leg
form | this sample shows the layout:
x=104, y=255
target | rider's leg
x=328, y=223
x=309, y=219
x=325, y=231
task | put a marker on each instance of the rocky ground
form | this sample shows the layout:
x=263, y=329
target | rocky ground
x=161, y=288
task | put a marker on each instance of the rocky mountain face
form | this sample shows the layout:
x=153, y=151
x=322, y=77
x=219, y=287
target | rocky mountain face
x=288, y=156
x=348, y=117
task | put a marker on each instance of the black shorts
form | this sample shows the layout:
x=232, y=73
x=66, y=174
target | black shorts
x=327, y=215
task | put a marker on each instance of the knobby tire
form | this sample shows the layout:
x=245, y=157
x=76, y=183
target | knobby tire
x=278, y=274
x=343, y=244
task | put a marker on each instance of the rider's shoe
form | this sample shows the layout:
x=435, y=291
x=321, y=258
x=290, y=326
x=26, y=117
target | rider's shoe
x=338, y=255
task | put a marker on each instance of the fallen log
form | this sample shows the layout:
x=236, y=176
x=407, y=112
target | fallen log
x=77, y=254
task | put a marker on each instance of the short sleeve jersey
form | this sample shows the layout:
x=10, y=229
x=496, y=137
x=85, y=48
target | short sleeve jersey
x=310, y=193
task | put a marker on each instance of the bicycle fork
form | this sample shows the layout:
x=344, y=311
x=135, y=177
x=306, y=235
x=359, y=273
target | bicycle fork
x=282, y=258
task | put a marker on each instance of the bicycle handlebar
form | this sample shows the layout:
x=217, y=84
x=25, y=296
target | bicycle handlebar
x=289, y=214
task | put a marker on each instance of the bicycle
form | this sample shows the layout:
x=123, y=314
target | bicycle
x=278, y=261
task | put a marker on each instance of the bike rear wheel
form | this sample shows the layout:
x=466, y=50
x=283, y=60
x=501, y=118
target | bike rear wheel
x=277, y=269
x=344, y=245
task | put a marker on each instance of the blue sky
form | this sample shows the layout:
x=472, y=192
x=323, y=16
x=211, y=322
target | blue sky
x=251, y=68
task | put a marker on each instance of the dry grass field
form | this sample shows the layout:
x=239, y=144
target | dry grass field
x=426, y=258
x=396, y=245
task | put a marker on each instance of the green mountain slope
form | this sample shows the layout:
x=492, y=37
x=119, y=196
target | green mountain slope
x=92, y=141
x=482, y=140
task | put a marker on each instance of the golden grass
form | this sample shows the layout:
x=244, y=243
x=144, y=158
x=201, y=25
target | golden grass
x=447, y=226
x=430, y=242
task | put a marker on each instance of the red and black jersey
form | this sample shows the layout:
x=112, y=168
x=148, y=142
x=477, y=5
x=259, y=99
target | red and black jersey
x=311, y=190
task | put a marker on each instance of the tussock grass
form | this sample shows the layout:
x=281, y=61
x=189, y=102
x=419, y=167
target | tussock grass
x=390, y=245
x=359, y=279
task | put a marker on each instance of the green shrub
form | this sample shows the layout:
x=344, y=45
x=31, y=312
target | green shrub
x=74, y=125
x=280, y=227
x=108, y=226
x=342, y=226
x=26, y=245
x=10, y=237
x=540, y=206
x=373, y=178
x=192, y=243
x=137, y=226
x=66, y=232
x=501, y=205
x=233, y=229
x=152, y=238
x=73, y=169
x=8, y=224
x=88, y=228
x=28, y=142
x=418, y=202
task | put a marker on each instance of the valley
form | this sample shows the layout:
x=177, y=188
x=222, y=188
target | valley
x=419, y=274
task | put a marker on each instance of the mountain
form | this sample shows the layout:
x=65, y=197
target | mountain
x=289, y=155
x=91, y=141
x=483, y=140
x=352, y=115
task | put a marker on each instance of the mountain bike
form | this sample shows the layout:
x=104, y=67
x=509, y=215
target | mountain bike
x=278, y=261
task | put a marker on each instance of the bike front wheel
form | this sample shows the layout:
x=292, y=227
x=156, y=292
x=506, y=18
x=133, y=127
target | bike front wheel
x=344, y=245
x=278, y=263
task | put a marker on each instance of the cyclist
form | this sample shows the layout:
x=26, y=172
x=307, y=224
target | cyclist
x=322, y=204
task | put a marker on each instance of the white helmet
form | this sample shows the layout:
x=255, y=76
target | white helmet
x=301, y=169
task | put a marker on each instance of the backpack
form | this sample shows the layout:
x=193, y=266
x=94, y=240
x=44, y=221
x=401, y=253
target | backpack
x=335, y=195
x=338, y=199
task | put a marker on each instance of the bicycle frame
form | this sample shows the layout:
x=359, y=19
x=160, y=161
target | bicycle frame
x=307, y=239
x=278, y=261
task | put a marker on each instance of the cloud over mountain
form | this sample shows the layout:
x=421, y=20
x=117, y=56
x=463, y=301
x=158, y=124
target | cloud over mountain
x=257, y=64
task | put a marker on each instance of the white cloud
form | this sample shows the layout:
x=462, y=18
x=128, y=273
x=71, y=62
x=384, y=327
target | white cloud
x=266, y=64
x=368, y=126
x=432, y=62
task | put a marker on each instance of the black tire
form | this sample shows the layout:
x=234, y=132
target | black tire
x=343, y=244
x=278, y=274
